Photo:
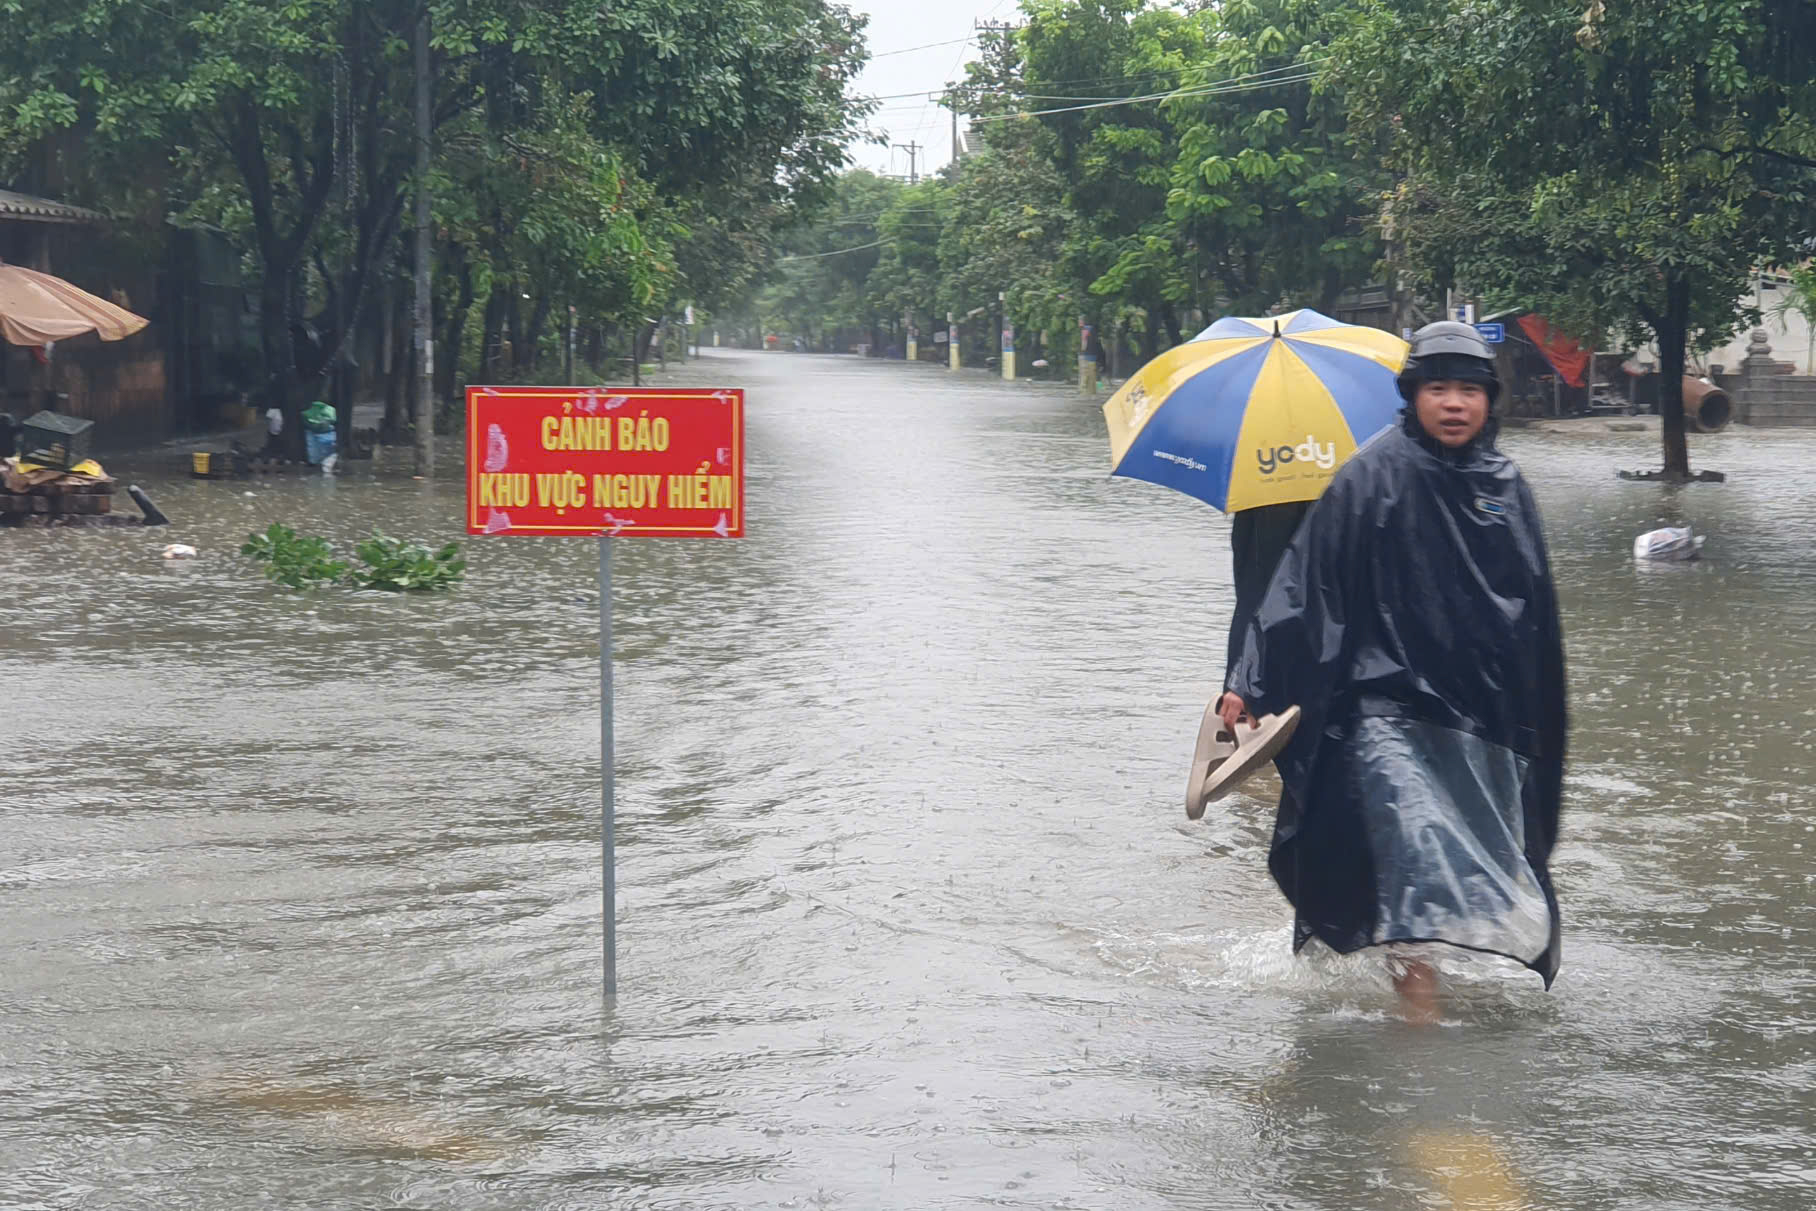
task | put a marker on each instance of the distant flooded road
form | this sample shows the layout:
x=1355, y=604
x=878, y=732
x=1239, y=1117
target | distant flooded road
x=299, y=894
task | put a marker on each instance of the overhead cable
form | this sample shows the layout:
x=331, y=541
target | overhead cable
x=1239, y=84
x=924, y=46
x=814, y=256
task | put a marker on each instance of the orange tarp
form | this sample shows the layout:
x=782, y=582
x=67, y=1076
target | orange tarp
x=1570, y=358
x=36, y=307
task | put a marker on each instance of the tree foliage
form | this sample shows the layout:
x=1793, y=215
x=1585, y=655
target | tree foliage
x=578, y=144
x=1622, y=167
x=1142, y=166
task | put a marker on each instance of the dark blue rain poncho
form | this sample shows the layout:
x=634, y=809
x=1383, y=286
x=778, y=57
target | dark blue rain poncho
x=1414, y=623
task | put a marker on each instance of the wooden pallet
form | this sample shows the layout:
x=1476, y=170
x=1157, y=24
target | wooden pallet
x=60, y=499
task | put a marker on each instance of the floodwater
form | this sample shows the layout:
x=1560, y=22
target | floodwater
x=299, y=894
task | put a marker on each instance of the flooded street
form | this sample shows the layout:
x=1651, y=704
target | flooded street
x=299, y=894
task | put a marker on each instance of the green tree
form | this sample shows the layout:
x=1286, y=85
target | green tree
x=1625, y=167
x=1800, y=300
x=1269, y=180
x=1123, y=250
x=290, y=125
x=905, y=285
x=820, y=285
x=1204, y=164
x=1006, y=232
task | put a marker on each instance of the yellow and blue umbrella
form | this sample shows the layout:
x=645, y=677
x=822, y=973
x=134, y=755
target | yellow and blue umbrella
x=1256, y=412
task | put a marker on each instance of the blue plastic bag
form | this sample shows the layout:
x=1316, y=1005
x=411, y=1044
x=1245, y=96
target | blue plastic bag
x=319, y=446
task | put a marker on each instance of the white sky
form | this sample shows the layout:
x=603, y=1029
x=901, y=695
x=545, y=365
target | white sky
x=899, y=24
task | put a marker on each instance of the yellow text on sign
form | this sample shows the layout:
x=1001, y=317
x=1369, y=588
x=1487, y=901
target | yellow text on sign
x=507, y=491
x=699, y=490
x=635, y=434
x=572, y=490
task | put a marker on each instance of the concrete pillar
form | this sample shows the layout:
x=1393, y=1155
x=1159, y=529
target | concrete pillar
x=1757, y=374
x=1087, y=365
x=1002, y=297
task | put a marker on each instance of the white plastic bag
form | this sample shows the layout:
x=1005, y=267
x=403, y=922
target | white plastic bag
x=1673, y=544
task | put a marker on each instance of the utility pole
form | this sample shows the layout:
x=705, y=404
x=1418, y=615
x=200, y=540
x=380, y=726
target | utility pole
x=1002, y=29
x=911, y=148
x=1002, y=298
x=952, y=103
x=340, y=387
x=425, y=345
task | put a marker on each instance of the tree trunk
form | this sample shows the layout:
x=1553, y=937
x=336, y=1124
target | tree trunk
x=513, y=325
x=413, y=387
x=1332, y=289
x=280, y=247
x=396, y=367
x=1672, y=331
x=1170, y=316
x=274, y=343
x=532, y=338
x=490, y=347
x=1150, y=344
x=387, y=333
x=447, y=366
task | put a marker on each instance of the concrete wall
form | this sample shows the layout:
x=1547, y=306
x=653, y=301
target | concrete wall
x=1769, y=398
x=120, y=386
x=1789, y=334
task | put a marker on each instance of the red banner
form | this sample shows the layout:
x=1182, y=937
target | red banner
x=1566, y=355
x=656, y=462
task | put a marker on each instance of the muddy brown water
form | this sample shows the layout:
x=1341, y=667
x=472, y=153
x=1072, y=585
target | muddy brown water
x=299, y=895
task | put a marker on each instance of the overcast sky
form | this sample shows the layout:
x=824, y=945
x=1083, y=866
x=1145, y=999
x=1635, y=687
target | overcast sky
x=896, y=25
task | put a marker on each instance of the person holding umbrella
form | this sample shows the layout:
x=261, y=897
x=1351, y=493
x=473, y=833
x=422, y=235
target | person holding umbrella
x=1253, y=416
x=1414, y=622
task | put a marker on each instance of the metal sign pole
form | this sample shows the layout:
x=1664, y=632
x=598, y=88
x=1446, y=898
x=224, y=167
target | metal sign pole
x=520, y=483
x=608, y=854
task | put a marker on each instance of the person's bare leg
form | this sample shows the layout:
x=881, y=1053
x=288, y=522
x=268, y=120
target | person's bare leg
x=1417, y=983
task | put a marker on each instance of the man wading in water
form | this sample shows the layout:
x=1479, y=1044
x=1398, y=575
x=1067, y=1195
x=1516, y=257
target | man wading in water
x=1413, y=621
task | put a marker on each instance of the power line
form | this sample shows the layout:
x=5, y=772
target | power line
x=1018, y=91
x=906, y=50
x=859, y=218
x=814, y=256
x=1015, y=96
x=1221, y=88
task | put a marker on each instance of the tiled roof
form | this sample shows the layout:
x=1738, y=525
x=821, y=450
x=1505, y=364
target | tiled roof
x=43, y=210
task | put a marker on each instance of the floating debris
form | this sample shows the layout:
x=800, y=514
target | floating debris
x=1673, y=544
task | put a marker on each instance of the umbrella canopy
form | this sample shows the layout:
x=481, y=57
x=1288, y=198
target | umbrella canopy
x=1255, y=412
x=36, y=307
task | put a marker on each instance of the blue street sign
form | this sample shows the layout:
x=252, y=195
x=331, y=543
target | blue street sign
x=1494, y=334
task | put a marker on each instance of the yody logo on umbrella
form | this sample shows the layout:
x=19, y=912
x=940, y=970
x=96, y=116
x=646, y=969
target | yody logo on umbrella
x=1307, y=451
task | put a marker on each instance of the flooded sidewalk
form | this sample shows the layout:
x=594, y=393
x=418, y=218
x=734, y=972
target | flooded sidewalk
x=299, y=894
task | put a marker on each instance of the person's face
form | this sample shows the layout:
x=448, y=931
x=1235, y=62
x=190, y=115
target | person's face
x=1452, y=412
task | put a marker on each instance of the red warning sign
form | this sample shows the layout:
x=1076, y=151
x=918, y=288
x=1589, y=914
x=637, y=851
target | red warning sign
x=656, y=462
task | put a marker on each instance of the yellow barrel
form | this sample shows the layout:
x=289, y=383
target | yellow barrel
x=199, y=462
